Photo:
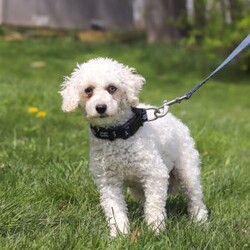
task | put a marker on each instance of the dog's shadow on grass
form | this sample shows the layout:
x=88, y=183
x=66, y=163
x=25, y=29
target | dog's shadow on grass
x=176, y=207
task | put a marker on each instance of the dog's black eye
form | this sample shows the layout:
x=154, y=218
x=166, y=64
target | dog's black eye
x=89, y=90
x=111, y=89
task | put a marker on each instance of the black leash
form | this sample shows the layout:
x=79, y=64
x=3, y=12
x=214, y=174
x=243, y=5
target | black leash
x=163, y=110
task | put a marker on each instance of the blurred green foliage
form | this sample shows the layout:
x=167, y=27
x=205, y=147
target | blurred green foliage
x=226, y=24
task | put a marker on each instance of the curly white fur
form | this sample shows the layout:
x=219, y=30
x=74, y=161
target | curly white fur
x=145, y=162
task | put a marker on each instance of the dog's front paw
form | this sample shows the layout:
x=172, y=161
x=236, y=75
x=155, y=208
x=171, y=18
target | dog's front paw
x=198, y=214
x=156, y=223
x=115, y=231
x=157, y=226
x=119, y=226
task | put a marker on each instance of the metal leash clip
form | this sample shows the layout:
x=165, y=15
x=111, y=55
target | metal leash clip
x=159, y=112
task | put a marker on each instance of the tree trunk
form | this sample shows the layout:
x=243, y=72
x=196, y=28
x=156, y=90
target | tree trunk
x=236, y=7
x=181, y=17
x=160, y=20
x=200, y=17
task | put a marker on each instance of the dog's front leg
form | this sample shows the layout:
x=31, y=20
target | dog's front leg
x=154, y=208
x=113, y=203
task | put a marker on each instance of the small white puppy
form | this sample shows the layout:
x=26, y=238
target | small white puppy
x=128, y=152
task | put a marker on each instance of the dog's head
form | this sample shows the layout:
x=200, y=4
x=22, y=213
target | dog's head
x=103, y=88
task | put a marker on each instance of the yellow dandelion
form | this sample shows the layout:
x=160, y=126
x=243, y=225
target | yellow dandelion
x=41, y=114
x=33, y=110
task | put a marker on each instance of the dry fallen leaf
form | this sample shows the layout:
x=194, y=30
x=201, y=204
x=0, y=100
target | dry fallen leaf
x=134, y=235
x=38, y=64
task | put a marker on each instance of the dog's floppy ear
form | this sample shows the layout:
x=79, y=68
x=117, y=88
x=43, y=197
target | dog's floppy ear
x=134, y=84
x=70, y=92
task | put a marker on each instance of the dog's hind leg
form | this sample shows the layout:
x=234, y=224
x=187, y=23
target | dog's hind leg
x=155, y=189
x=188, y=173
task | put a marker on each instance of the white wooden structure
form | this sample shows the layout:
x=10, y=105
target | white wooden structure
x=69, y=14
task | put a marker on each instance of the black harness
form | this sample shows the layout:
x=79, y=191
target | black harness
x=124, y=131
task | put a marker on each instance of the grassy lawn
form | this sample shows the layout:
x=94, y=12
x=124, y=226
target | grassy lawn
x=48, y=197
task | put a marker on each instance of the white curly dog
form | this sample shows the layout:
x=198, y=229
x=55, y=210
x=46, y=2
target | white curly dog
x=147, y=160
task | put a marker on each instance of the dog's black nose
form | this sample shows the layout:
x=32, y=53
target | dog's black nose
x=101, y=108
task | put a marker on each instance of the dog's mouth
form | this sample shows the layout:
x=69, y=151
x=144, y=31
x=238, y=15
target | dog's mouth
x=103, y=116
x=101, y=120
x=97, y=115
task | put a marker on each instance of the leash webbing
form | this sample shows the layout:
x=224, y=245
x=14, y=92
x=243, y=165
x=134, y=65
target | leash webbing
x=235, y=52
x=163, y=110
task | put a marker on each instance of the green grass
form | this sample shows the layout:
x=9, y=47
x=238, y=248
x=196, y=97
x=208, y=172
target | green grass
x=48, y=197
